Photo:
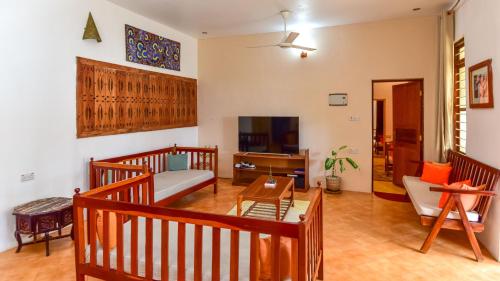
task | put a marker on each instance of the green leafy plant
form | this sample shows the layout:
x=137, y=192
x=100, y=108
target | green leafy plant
x=335, y=162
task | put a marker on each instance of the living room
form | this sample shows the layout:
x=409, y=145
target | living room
x=47, y=154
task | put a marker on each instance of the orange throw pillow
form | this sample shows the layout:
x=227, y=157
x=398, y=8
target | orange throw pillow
x=470, y=201
x=266, y=262
x=112, y=228
x=446, y=195
x=437, y=174
x=447, y=164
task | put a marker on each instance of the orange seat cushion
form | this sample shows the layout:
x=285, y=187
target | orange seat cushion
x=437, y=174
x=112, y=228
x=265, y=262
x=446, y=195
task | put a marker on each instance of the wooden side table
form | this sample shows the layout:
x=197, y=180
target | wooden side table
x=41, y=217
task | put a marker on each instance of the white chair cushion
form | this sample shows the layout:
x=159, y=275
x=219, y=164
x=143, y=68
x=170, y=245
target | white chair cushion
x=171, y=182
x=426, y=202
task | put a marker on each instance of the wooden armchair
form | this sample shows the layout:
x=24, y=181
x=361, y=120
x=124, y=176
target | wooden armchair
x=464, y=168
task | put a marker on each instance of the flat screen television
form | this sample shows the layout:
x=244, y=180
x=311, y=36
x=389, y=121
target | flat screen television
x=268, y=134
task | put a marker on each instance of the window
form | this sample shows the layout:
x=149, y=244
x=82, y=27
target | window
x=459, y=98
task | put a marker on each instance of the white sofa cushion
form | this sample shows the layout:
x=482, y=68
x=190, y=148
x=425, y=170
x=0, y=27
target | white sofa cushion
x=171, y=182
x=426, y=202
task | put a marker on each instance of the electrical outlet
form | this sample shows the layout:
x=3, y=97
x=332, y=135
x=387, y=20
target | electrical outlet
x=354, y=118
x=28, y=177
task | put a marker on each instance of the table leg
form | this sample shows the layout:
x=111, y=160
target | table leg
x=19, y=241
x=47, y=238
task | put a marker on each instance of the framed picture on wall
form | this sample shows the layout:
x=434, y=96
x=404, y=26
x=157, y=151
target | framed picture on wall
x=481, y=85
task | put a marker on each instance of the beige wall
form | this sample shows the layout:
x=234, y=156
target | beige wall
x=478, y=22
x=235, y=80
x=383, y=91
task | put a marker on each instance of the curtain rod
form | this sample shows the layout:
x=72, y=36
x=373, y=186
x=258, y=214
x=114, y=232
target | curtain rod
x=452, y=9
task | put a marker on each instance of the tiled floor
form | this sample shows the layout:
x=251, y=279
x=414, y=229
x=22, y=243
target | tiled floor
x=366, y=238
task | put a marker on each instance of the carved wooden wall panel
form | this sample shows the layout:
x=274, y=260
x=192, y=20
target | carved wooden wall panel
x=114, y=99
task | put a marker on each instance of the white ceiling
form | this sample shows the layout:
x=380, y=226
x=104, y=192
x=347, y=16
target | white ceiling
x=234, y=17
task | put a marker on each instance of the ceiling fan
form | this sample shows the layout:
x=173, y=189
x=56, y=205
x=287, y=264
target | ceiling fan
x=287, y=41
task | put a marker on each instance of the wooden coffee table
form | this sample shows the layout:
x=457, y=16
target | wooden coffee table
x=269, y=202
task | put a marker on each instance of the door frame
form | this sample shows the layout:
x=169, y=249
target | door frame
x=375, y=81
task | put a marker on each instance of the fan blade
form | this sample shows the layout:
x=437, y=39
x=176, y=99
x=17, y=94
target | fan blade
x=291, y=37
x=302, y=48
x=263, y=46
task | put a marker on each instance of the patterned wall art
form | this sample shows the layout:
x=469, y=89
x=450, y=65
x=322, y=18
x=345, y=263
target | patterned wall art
x=115, y=99
x=150, y=49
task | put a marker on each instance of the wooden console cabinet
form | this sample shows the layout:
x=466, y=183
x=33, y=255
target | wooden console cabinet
x=282, y=165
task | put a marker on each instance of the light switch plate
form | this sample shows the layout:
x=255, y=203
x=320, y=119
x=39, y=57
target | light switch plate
x=354, y=118
x=28, y=177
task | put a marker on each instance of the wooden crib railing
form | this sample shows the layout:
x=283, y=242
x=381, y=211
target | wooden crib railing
x=306, y=235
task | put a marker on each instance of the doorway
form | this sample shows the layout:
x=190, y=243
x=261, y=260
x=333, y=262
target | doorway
x=397, y=135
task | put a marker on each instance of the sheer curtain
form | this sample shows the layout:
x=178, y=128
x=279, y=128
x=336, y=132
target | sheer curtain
x=445, y=85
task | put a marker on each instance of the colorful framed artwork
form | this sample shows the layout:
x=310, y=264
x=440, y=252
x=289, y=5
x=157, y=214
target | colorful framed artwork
x=150, y=49
x=481, y=85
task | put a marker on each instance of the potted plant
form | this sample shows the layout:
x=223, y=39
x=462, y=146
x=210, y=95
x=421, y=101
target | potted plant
x=337, y=164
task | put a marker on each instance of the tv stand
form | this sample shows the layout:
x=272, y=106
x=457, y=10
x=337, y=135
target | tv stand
x=281, y=165
x=265, y=153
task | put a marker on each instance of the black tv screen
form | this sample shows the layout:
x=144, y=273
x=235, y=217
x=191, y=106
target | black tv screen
x=268, y=134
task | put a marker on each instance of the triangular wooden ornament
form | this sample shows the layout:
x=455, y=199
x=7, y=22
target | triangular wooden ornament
x=91, y=30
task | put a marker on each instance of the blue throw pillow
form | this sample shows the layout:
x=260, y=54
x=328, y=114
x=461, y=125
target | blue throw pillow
x=177, y=162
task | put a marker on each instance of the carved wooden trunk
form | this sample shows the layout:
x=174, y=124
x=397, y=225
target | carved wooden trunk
x=115, y=99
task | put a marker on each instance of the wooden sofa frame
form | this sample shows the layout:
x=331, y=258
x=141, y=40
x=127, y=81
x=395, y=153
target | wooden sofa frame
x=119, y=168
x=130, y=199
x=464, y=168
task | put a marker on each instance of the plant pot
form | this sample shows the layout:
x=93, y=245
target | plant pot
x=333, y=184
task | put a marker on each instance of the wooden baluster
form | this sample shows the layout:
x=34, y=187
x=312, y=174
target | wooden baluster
x=154, y=163
x=149, y=249
x=216, y=254
x=135, y=189
x=211, y=159
x=192, y=160
x=144, y=189
x=254, y=256
x=301, y=253
x=164, y=162
x=164, y=250
x=198, y=252
x=105, y=240
x=234, y=260
x=204, y=160
x=105, y=177
x=181, y=252
x=93, y=238
x=119, y=242
x=98, y=177
x=295, y=259
x=275, y=257
x=198, y=160
x=133, y=245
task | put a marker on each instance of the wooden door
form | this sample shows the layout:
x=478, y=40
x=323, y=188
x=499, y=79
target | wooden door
x=407, y=124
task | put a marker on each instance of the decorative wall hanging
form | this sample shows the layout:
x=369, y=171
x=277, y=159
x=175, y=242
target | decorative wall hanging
x=114, y=99
x=481, y=85
x=150, y=49
x=91, y=31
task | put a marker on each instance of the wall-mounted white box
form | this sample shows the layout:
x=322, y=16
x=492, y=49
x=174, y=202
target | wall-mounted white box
x=337, y=99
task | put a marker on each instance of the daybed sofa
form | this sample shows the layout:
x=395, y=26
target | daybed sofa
x=168, y=185
x=425, y=198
